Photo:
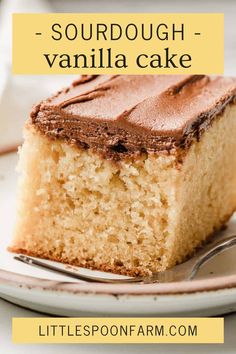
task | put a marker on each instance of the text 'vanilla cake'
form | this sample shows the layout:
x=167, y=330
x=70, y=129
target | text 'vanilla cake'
x=128, y=174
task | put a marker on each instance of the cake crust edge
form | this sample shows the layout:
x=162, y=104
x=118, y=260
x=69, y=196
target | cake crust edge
x=120, y=270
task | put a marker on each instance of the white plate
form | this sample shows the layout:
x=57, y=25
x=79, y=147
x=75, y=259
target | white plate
x=213, y=292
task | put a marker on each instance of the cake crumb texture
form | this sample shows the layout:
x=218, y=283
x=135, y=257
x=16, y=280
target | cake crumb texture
x=133, y=217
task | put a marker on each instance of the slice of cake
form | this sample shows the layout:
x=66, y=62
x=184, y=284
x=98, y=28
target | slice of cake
x=128, y=174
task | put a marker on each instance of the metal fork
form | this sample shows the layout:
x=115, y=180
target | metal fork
x=181, y=272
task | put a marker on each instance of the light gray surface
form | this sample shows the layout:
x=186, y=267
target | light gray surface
x=7, y=311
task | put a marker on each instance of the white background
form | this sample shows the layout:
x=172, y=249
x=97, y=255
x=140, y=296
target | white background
x=11, y=87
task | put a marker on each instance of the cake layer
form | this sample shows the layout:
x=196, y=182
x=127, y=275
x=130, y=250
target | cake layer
x=134, y=217
x=120, y=116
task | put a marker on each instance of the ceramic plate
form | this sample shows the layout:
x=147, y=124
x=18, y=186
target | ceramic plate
x=212, y=292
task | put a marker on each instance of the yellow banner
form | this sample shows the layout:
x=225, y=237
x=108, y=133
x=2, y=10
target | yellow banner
x=112, y=43
x=118, y=330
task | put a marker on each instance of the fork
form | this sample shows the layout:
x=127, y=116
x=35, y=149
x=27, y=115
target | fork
x=181, y=272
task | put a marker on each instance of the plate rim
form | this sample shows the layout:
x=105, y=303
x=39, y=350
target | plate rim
x=22, y=281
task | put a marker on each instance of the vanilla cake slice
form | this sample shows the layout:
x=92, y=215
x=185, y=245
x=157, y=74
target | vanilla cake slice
x=128, y=174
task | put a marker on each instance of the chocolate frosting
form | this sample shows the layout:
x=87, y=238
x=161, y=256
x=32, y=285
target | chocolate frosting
x=126, y=115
